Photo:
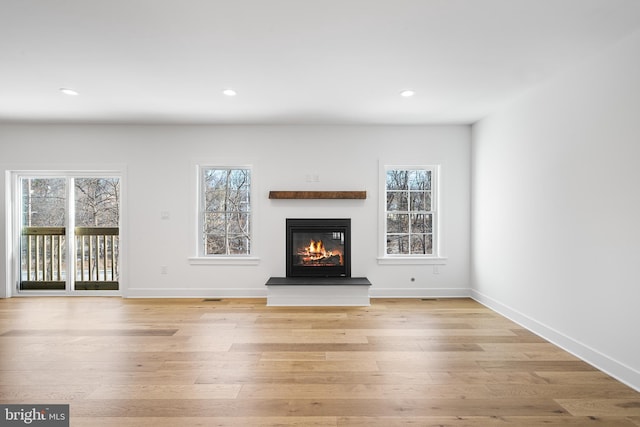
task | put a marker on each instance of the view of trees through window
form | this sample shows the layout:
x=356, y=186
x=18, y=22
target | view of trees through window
x=226, y=210
x=409, y=212
x=97, y=202
x=44, y=202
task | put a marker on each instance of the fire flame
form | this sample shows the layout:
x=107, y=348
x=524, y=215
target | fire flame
x=317, y=248
x=317, y=252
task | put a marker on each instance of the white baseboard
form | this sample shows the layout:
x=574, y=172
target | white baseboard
x=419, y=292
x=195, y=293
x=261, y=292
x=612, y=367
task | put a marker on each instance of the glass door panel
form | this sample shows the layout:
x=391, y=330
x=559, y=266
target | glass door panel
x=97, y=233
x=43, y=244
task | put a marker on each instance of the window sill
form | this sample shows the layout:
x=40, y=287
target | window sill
x=224, y=260
x=400, y=260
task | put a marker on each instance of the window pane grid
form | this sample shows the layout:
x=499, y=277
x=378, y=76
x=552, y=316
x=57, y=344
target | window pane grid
x=409, y=212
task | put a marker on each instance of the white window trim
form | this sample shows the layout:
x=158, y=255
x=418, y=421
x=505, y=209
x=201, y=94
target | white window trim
x=200, y=258
x=437, y=258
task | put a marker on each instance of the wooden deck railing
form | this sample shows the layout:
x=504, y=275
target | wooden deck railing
x=44, y=258
x=97, y=257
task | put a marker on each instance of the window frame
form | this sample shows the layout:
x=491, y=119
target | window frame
x=201, y=258
x=436, y=256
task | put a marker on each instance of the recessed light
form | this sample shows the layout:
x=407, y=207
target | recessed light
x=229, y=92
x=68, y=91
x=407, y=93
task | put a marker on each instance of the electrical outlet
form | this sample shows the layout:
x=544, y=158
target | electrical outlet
x=164, y=269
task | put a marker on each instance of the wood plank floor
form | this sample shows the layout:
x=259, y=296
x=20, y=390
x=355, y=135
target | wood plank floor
x=236, y=362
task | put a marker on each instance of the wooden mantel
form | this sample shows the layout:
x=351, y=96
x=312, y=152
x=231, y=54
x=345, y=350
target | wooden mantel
x=317, y=194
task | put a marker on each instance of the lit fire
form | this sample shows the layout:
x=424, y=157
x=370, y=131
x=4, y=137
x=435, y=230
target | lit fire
x=316, y=253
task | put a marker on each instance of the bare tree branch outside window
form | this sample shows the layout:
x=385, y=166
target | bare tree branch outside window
x=44, y=202
x=97, y=202
x=226, y=211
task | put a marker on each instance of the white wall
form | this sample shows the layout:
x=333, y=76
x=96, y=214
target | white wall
x=160, y=177
x=555, y=210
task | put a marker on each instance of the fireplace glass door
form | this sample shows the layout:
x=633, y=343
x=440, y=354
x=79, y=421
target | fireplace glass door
x=318, y=247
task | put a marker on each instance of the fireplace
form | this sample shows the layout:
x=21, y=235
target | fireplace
x=318, y=261
x=318, y=247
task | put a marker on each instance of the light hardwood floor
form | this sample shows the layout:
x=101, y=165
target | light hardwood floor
x=236, y=362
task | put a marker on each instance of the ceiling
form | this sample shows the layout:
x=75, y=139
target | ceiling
x=290, y=61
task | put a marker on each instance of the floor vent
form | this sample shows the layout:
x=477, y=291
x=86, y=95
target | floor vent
x=212, y=300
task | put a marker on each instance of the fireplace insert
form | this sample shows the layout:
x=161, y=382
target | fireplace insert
x=318, y=247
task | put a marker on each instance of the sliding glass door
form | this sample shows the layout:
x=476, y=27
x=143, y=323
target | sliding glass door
x=69, y=233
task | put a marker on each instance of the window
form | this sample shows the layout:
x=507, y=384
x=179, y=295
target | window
x=410, y=212
x=225, y=211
